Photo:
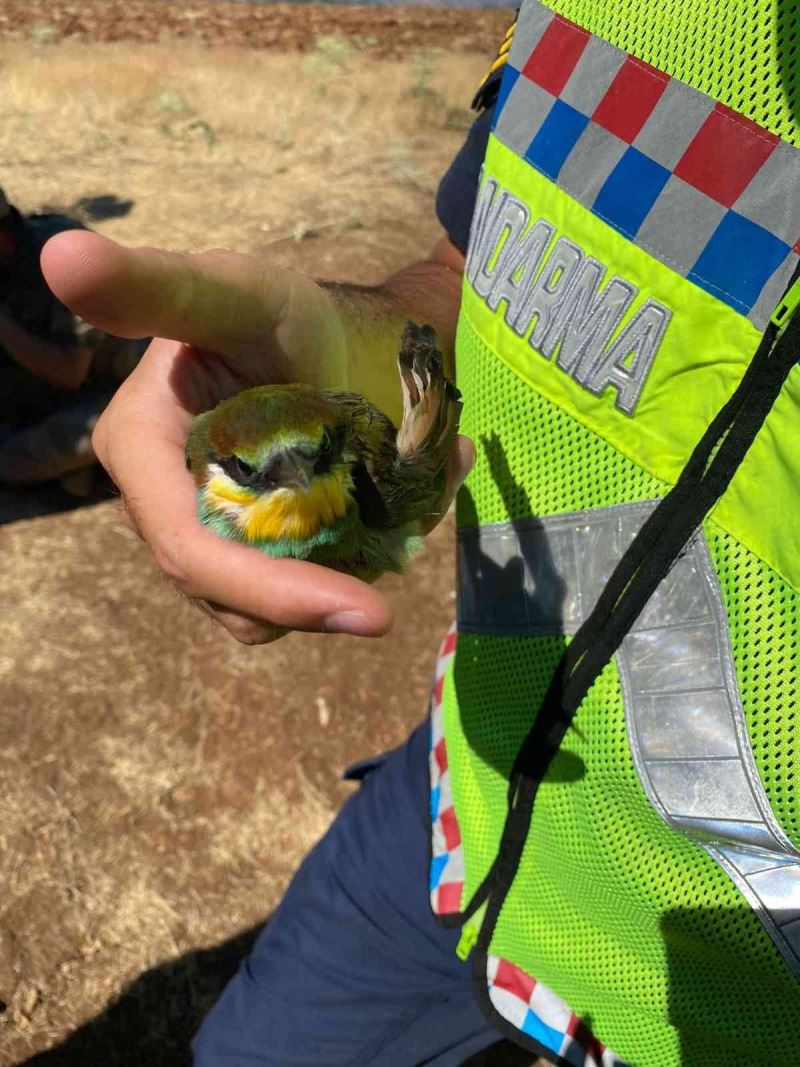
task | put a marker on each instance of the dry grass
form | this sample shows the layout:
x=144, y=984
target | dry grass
x=158, y=784
x=231, y=148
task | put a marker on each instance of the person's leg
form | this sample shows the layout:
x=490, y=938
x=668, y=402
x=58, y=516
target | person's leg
x=24, y=398
x=52, y=447
x=353, y=968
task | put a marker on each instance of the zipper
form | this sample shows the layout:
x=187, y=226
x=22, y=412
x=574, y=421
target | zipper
x=470, y=932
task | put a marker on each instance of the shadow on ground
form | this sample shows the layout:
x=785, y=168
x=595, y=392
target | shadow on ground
x=30, y=502
x=94, y=208
x=155, y=1018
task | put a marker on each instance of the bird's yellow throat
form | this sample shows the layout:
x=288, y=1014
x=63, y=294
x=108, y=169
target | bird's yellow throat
x=284, y=514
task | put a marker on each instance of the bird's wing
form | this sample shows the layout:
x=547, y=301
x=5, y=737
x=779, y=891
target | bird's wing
x=372, y=507
x=403, y=473
x=372, y=437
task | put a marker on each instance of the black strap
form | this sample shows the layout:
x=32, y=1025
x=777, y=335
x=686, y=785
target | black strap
x=662, y=538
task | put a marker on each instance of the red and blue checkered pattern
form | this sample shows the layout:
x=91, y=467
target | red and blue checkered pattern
x=700, y=187
x=541, y=1014
x=447, y=862
x=525, y=1003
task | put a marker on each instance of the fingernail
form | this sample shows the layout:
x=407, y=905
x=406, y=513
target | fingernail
x=347, y=622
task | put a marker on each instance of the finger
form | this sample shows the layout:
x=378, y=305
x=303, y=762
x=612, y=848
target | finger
x=285, y=593
x=246, y=630
x=461, y=462
x=220, y=301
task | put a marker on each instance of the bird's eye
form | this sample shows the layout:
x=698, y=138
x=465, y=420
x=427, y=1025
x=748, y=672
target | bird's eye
x=243, y=469
x=237, y=469
x=325, y=444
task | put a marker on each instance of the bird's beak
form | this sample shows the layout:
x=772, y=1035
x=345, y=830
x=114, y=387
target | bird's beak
x=290, y=470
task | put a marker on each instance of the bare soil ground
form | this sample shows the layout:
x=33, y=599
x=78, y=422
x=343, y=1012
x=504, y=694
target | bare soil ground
x=388, y=32
x=159, y=783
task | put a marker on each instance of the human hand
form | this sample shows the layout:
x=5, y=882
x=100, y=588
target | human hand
x=223, y=322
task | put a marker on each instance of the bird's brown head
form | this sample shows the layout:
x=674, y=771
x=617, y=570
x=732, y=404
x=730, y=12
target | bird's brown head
x=273, y=463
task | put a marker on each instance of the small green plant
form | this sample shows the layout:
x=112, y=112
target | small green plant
x=283, y=136
x=43, y=34
x=422, y=68
x=205, y=129
x=330, y=58
x=402, y=167
x=432, y=106
x=170, y=101
x=458, y=118
x=335, y=48
x=181, y=121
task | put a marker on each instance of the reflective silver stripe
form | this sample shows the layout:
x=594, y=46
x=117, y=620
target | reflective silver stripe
x=685, y=718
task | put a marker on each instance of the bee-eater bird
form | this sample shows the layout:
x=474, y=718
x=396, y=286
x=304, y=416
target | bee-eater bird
x=324, y=475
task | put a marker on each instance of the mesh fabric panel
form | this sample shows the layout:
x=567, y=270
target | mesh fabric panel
x=636, y=926
x=633, y=924
x=764, y=623
x=496, y=683
x=544, y=461
x=541, y=466
x=742, y=52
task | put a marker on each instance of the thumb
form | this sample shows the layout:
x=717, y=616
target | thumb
x=218, y=301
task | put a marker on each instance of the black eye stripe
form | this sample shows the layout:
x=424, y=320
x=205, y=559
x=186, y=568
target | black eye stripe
x=238, y=469
x=323, y=456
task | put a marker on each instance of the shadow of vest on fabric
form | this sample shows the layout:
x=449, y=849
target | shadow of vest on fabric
x=495, y=712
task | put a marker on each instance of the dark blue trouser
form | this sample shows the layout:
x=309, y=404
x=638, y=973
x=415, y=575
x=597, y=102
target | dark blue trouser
x=353, y=969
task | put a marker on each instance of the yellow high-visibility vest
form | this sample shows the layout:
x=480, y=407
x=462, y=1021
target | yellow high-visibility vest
x=636, y=227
